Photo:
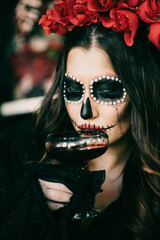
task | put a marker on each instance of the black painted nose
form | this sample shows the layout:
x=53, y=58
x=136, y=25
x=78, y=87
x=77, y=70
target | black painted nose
x=86, y=110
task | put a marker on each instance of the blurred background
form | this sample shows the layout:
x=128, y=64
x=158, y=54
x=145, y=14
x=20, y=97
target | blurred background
x=27, y=60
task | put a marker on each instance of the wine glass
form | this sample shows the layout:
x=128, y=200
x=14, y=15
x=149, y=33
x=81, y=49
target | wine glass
x=75, y=149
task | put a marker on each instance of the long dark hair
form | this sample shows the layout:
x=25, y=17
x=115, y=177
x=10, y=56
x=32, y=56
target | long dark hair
x=138, y=68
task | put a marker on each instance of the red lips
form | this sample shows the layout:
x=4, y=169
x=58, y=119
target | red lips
x=90, y=127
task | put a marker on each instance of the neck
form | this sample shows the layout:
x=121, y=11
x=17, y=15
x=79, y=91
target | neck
x=113, y=162
x=116, y=156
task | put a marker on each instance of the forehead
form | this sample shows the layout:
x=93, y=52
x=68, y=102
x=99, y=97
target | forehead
x=88, y=64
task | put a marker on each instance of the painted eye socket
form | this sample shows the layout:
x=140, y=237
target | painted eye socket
x=73, y=90
x=108, y=90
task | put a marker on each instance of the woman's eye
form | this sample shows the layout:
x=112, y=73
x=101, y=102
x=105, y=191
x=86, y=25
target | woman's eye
x=73, y=90
x=73, y=94
x=107, y=90
x=108, y=94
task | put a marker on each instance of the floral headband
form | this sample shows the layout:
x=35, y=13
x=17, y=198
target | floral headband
x=121, y=16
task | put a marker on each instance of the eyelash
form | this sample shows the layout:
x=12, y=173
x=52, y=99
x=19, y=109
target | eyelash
x=110, y=95
x=73, y=90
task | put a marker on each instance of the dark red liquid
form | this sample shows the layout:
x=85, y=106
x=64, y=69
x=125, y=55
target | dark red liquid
x=73, y=152
x=76, y=156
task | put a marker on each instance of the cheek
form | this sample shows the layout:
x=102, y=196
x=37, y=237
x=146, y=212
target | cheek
x=117, y=112
x=119, y=131
x=73, y=110
x=115, y=116
x=111, y=114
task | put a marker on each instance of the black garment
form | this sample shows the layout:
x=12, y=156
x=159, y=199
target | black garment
x=24, y=214
x=105, y=227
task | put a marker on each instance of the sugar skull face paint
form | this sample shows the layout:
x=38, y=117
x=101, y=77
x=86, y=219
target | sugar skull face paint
x=73, y=89
x=106, y=90
x=86, y=110
x=89, y=70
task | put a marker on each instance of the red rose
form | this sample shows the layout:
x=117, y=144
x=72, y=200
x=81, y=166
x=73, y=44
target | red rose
x=70, y=2
x=45, y=22
x=60, y=1
x=154, y=34
x=129, y=3
x=81, y=1
x=58, y=28
x=149, y=11
x=122, y=21
x=50, y=25
x=61, y=13
x=80, y=15
x=100, y=5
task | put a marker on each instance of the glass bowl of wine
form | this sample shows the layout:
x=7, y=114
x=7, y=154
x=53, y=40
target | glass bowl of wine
x=76, y=148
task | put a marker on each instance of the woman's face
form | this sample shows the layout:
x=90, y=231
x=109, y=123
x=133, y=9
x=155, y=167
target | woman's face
x=94, y=96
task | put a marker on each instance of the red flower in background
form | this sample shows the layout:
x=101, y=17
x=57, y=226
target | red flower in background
x=149, y=11
x=154, y=34
x=122, y=20
x=37, y=64
x=80, y=15
x=100, y=5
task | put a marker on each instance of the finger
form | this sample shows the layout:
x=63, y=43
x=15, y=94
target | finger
x=57, y=195
x=54, y=206
x=54, y=185
x=55, y=191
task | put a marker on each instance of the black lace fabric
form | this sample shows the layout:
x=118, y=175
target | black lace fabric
x=29, y=216
x=83, y=183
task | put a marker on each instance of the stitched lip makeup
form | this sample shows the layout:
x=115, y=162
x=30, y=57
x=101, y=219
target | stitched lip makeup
x=92, y=129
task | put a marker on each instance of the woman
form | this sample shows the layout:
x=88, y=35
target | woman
x=131, y=162
x=102, y=83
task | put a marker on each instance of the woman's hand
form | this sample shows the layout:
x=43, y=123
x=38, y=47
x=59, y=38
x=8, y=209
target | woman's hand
x=56, y=194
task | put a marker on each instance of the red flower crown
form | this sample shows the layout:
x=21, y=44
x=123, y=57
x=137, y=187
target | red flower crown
x=121, y=16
